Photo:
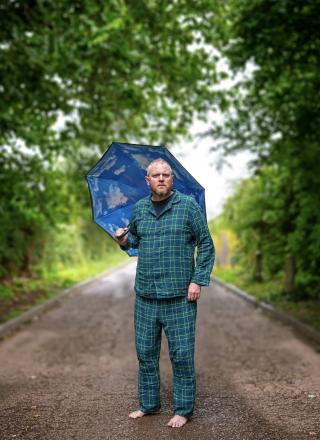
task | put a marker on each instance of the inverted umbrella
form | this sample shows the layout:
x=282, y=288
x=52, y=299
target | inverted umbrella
x=116, y=183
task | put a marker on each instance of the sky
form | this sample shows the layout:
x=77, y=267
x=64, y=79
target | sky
x=201, y=163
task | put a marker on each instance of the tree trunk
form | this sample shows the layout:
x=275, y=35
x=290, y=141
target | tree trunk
x=290, y=271
x=27, y=262
x=257, y=276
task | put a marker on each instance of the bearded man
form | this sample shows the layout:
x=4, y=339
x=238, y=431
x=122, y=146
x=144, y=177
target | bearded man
x=166, y=228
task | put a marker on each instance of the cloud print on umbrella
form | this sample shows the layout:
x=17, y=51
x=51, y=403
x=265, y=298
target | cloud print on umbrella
x=107, y=165
x=120, y=170
x=117, y=182
x=143, y=161
x=95, y=185
x=114, y=197
x=98, y=207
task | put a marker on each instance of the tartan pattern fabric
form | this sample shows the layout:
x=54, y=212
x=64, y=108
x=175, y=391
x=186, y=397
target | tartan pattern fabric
x=166, y=263
x=177, y=317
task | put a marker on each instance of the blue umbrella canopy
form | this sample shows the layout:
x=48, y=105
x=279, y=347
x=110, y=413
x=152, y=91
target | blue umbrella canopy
x=117, y=182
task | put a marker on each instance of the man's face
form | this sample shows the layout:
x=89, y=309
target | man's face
x=160, y=179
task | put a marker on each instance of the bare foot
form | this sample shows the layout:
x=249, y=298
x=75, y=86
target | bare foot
x=177, y=421
x=136, y=414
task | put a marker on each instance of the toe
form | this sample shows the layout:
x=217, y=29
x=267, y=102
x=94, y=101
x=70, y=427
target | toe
x=136, y=414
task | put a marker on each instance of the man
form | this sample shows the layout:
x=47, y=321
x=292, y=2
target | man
x=166, y=228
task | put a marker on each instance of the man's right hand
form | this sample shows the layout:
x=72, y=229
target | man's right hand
x=123, y=240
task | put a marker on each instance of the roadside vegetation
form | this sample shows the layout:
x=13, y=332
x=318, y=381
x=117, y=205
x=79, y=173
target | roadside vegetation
x=65, y=263
x=272, y=110
x=233, y=266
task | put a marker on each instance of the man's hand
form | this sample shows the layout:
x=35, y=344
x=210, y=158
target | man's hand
x=194, y=292
x=123, y=240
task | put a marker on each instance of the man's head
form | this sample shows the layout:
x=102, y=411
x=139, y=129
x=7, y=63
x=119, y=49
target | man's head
x=159, y=178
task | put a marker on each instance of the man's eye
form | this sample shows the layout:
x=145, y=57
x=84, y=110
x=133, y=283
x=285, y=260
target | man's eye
x=164, y=176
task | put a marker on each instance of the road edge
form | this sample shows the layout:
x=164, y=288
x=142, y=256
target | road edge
x=301, y=327
x=14, y=324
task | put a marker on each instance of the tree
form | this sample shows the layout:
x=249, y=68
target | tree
x=76, y=75
x=117, y=68
x=275, y=110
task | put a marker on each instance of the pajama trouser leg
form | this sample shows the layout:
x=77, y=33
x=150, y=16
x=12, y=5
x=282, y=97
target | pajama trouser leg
x=148, y=343
x=179, y=320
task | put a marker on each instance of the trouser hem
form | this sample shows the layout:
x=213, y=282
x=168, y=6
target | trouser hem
x=187, y=416
x=153, y=411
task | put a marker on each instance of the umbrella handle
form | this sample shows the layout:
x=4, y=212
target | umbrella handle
x=125, y=232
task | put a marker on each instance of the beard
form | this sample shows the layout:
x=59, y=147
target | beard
x=162, y=191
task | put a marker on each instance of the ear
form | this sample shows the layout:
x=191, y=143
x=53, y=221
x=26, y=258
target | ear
x=146, y=178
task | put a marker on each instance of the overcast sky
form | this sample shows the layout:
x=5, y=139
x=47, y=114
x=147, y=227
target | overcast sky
x=201, y=163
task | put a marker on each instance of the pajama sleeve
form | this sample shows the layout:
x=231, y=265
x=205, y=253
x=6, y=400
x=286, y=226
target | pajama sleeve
x=205, y=247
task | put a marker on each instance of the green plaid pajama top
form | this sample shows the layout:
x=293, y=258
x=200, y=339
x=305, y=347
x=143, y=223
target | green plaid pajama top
x=166, y=263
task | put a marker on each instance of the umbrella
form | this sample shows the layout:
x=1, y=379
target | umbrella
x=116, y=183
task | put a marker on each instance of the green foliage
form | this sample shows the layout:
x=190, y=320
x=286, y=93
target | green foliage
x=257, y=213
x=225, y=242
x=75, y=244
x=274, y=111
x=34, y=197
x=125, y=68
x=20, y=294
x=75, y=76
x=263, y=212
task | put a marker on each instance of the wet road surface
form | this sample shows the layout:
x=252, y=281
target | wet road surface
x=71, y=374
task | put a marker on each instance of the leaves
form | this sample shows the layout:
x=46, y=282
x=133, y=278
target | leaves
x=74, y=76
x=274, y=111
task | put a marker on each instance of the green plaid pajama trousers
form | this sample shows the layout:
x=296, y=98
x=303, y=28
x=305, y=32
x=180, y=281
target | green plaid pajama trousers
x=177, y=317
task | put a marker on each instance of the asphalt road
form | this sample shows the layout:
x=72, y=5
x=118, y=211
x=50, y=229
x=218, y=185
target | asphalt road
x=71, y=374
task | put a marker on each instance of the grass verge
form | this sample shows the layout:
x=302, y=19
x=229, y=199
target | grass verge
x=307, y=311
x=20, y=294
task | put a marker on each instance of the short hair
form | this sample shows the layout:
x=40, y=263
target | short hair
x=160, y=161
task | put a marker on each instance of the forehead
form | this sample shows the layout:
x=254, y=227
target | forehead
x=160, y=167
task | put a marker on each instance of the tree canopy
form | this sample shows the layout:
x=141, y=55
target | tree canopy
x=116, y=68
x=274, y=111
x=75, y=76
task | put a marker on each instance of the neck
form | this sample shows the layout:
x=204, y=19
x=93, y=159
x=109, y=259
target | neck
x=158, y=198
